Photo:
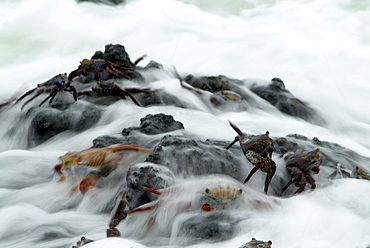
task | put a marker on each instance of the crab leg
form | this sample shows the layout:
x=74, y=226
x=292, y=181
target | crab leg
x=237, y=130
x=254, y=170
x=25, y=94
x=296, y=174
x=145, y=207
x=139, y=59
x=123, y=95
x=118, y=73
x=51, y=96
x=39, y=92
x=155, y=191
x=232, y=143
x=118, y=147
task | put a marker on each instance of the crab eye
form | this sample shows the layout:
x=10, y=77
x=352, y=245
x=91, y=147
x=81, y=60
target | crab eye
x=208, y=191
x=240, y=191
x=206, y=207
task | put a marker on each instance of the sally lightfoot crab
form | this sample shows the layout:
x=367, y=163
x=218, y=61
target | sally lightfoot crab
x=258, y=150
x=201, y=196
x=96, y=67
x=103, y=160
x=53, y=85
x=299, y=165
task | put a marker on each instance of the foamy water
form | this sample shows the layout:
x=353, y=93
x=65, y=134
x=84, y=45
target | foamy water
x=320, y=49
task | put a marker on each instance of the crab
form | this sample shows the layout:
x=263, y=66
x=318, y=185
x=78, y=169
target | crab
x=201, y=195
x=112, y=89
x=103, y=160
x=83, y=241
x=360, y=174
x=299, y=165
x=257, y=244
x=96, y=67
x=340, y=172
x=258, y=150
x=53, y=85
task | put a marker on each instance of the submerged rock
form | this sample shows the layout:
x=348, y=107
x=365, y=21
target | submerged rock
x=215, y=227
x=218, y=84
x=146, y=174
x=48, y=122
x=277, y=95
x=108, y=2
x=257, y=244
x=187, y=157
x=155, y=124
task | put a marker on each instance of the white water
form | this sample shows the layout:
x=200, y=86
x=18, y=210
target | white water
x=320, y=49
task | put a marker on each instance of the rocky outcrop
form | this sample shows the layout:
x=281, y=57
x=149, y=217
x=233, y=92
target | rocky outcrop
x=277, y=95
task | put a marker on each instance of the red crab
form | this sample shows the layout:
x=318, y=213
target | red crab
x=112, y=89
x=53, y=85
x=258, y=150
x=298, y=165
x=103, y=159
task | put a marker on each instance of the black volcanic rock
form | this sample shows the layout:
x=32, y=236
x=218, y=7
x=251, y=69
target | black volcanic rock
x=155, y=124
x=108, y=2
x=186, y=157
x=215, y=227
x=118, y=55
x=277, y=95
x=149, y=175
x=48, y=122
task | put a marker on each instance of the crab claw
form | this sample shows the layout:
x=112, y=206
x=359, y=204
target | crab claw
x=88, y=182
x=206, y=207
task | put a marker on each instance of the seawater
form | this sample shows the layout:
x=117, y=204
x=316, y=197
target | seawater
x=320, y=49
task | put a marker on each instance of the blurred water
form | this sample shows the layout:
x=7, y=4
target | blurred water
x=319, y=48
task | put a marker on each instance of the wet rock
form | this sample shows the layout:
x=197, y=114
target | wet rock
x=153, y=65
x=277, y=95
x=48, y=122
x=161, y=98
x=118, y=55
x=211, y=83
x=213, y=227
x=217, y=84
x=108, y=2
x=146, y=174
x=186, y=157
x=257, y=244
x=333, y=155
x=155, y=124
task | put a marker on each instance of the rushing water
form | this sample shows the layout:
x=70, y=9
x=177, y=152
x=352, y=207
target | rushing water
x=319, y=48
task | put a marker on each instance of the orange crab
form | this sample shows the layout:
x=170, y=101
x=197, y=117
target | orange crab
x=104, y=160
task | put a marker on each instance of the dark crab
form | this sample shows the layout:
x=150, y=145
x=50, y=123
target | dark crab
x=53, y=85
x=299, y=165
x=96, y=67
x=258, y=150
x=112, y=89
